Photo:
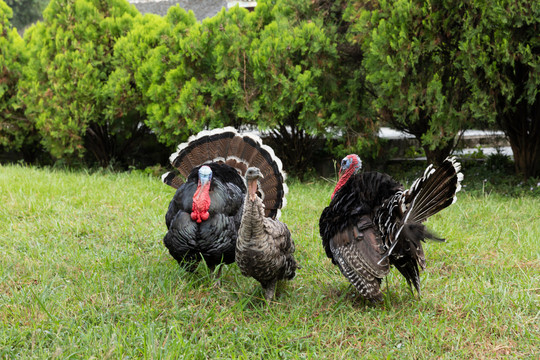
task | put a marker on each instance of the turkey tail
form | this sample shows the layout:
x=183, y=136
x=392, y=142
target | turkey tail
x=433, y=192
x=240, y=151
x=428, y=195
x=409, y=254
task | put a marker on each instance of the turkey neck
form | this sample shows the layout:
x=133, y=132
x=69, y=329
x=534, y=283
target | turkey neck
x=252, y=189
x=202, y=190
x=252, y=218
x=343, y=180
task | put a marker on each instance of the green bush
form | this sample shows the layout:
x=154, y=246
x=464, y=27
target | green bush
x=276, y=69
x=194, y=74
x=17, y=133
x=130, y=79
x=100, y=77
x=65, y=85
x=410, y=50
x=99, y=81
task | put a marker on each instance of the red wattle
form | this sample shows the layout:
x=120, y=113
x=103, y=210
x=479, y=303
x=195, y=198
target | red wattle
x=201, y=204
x=342, y=180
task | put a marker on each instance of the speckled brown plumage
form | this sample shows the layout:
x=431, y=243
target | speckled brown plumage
x=264, y=248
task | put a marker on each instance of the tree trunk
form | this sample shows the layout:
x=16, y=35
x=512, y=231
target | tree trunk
x=524, y=137
x=294, y=147
x=520, y=121
x=98, y=143
x=437, y=155
x=526, y=157
x=119, y=148
x=522, y=127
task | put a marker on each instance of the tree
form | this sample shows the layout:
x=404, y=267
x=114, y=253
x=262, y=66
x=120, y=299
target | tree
x=292, y=60
x=128, y=84
x=351, y=126
x=16, y=131
x=275, y=68
x=144, y=58
x=500, y=57
x=64, y=87
x=197, y=73
x=410, y=50
x=25, y=12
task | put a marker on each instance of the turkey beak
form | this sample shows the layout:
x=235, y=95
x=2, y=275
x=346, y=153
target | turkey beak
x=253, y=186
x=203, y=181
x=252, y=189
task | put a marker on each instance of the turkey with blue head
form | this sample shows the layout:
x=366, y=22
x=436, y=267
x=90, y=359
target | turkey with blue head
x=372, y=222
x=205, y=212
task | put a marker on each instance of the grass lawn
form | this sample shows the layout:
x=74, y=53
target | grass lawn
x=84, y=274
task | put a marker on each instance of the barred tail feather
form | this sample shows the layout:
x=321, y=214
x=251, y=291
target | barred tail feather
x=428, y=195
x=434, y=191
x=409, y=256
x=240, y=151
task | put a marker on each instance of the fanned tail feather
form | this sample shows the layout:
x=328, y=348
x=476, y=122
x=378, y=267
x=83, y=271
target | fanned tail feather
x=240, y=151
x=173, y=179
x=404, y=233
x=434, y=191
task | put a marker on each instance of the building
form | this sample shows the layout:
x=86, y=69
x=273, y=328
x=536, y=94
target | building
x=201, y=8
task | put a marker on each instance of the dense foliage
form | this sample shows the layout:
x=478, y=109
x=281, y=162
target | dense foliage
x=25, y=12
x=317, y=89
x=136, y=70
x=16, y=132
x=189, y=88
x=437, y=67
x=11, y=48
x=273, y=69
x=501, y=61
x=65, y=84
x=105, y=84
x=410, y=52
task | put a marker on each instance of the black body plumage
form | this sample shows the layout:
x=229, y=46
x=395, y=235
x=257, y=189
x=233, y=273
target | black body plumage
x=214, y=239
x=373, y=223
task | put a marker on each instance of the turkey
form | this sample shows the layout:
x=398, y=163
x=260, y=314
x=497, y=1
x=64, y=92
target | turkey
x=372, y=223
x=205, y=212
x=264, y=249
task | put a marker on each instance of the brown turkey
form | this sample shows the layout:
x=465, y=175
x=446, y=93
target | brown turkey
x=204, y=215
x=372, y=223
x=264, y=248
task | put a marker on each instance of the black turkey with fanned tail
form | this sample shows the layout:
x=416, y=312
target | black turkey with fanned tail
x=204, y=215
x=372, y=223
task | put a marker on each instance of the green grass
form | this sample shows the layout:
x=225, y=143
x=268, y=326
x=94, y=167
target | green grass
x=84, y=274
